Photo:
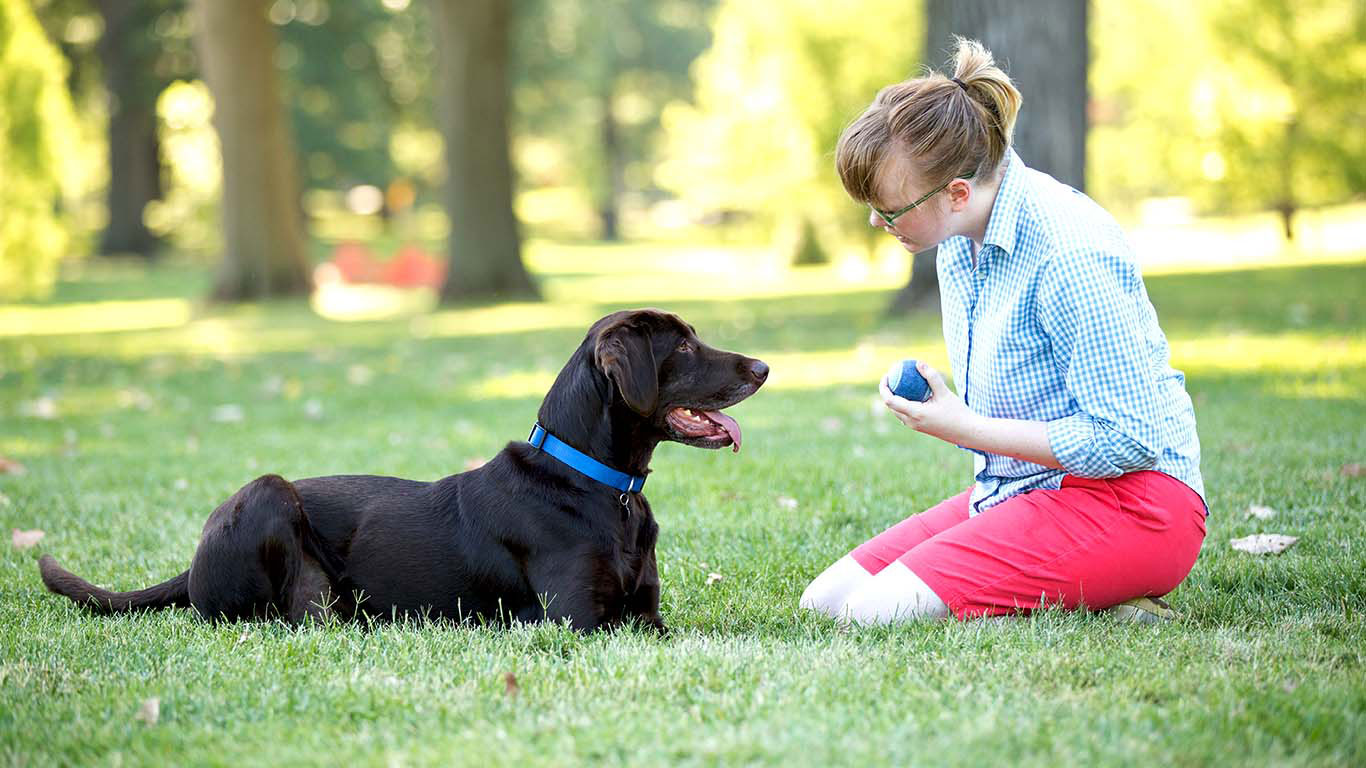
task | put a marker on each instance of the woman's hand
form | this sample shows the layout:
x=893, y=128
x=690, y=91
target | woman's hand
x=948, y=418
x=944, y=415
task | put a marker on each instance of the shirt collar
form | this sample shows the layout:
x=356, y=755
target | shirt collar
x=1005, y=211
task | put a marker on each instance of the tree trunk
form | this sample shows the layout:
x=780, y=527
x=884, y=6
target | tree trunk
x=262, y=234
x=134, y=153
x=1287, y=204
x=1042, y=45
x=614, y=166
x=485, y=245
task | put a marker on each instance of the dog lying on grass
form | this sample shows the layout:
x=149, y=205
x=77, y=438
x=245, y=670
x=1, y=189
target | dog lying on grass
x=551, y=529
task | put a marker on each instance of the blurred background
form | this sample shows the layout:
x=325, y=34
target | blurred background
x=437, y=148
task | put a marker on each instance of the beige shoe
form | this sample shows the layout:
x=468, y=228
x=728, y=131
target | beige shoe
x=1143, y=610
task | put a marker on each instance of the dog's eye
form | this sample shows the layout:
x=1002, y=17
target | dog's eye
x=684, y=346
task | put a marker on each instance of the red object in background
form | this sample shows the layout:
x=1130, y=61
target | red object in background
x=356, y=263
x=411, y=267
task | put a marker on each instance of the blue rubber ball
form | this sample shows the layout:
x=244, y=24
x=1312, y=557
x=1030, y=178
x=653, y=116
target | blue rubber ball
x=908, y=383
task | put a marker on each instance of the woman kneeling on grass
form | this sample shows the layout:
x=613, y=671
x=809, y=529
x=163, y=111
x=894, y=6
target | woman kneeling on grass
x=1088, y=488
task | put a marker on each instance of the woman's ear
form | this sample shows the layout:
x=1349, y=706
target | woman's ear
x=960, y=194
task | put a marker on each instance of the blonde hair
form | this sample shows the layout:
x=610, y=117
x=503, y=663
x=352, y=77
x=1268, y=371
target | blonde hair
x=945, y=127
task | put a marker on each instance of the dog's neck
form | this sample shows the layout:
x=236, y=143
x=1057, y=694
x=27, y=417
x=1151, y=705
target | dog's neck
x=581, y=410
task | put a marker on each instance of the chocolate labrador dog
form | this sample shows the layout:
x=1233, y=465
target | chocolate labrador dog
x=555, y=528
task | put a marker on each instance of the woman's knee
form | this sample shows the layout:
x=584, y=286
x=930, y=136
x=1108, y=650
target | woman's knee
x=895, y=594
x=828, y=592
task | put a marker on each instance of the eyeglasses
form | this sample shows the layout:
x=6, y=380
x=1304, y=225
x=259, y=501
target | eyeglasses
x=890, y=217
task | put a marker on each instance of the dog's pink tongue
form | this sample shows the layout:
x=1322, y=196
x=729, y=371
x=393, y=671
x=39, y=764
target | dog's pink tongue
x=727, y=423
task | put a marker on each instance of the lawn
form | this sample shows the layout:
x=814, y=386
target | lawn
x=134, y=409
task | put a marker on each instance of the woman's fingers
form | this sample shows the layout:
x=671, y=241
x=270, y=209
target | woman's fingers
x=932, y=377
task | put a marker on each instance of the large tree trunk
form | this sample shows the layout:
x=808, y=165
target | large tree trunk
x=134, y=155
x=262, y=233
x=485, y=245
x=1042, y=45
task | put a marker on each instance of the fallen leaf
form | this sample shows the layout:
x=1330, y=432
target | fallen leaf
x=1264, y=543
x=11, y=467
x=242, y=638
x=1352, y=470
x=1261, y=513
x=313, y=409
x=712, y=578
x=150, y=711
x=510, y=686
x=787, y=502
x=24, y=539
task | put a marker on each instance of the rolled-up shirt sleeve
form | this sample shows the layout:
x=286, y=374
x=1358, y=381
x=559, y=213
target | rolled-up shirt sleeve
x=1092, y=306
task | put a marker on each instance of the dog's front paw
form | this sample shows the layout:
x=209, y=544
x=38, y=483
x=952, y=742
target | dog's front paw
x=649, y=623
x=656, y=623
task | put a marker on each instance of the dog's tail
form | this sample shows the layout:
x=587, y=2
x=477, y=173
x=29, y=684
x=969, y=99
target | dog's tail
x=175, y=592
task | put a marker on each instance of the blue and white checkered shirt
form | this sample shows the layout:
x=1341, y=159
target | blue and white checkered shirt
x=1053, y=324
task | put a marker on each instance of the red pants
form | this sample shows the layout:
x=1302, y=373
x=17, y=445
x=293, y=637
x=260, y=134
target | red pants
x=1092, y=542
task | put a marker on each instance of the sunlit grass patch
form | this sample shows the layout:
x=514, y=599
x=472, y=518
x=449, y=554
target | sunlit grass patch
x=94, y=317
x=1291, y=352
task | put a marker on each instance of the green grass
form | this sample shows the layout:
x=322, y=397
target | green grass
x=1265, y=668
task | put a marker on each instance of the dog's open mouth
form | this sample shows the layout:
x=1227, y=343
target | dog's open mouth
x=705, y=426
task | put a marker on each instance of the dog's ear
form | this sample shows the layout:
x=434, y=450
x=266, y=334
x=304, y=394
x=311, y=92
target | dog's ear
x=624, y=354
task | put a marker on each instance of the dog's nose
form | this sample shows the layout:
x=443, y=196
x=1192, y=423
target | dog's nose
x=758, y=370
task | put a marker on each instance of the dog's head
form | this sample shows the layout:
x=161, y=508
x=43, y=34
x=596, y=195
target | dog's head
x=665, y=375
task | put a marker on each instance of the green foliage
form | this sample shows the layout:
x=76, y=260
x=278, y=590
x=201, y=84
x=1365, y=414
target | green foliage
x=1239, y=105
x=591, y=80
x=37, y=128
x=1294, y=129
x=353, y=73
x=1152, y=121
x=775, y=90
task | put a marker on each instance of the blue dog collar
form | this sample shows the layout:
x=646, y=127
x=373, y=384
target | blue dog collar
x=583, y=463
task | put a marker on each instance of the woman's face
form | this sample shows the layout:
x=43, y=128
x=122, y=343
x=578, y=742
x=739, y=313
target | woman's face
x=925, y=225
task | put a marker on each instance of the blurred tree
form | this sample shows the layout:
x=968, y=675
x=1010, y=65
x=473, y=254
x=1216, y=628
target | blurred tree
x=473, y=85
x=1042, y=45
x=594, y=75
x=351, y=72
x=136, y=50
x=137, y=63
x=37, y=126
x=1295, y=133
x=773, y=93
x=263, y=242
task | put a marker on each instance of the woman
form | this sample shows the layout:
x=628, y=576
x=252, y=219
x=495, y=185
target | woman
x=1088, y=488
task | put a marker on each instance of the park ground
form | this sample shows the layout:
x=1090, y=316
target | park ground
x=133, y=408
